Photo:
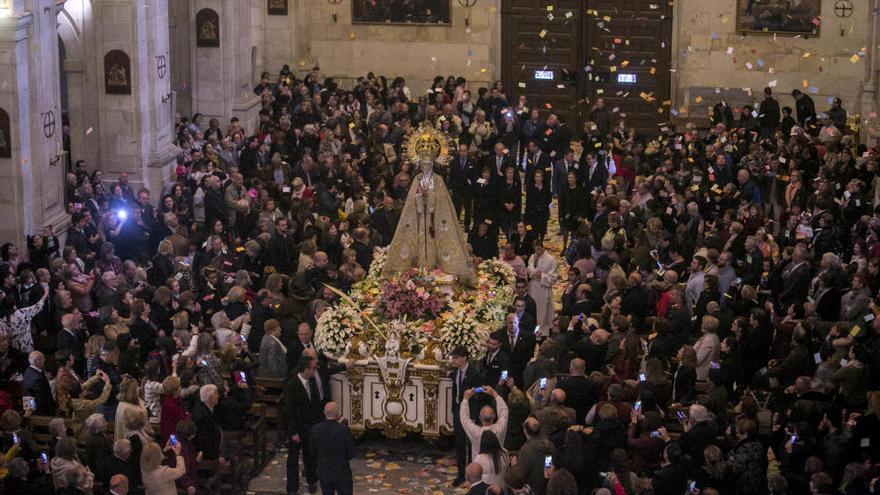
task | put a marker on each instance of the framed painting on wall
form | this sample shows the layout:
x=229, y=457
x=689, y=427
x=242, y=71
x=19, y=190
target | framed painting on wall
x=117, y=73
x=277, y=7
x=207, y=28
x=431, y=12
x=779, y=16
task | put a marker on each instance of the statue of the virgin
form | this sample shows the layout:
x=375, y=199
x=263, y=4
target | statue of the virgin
x=428, y=234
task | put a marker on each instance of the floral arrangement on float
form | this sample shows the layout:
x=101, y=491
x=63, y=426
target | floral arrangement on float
x=426, y=309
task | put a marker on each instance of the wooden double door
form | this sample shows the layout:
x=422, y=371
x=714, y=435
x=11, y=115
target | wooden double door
x=564, y=57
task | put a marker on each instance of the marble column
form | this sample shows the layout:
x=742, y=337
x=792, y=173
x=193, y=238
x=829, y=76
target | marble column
x=221, y=61
x=31, y=159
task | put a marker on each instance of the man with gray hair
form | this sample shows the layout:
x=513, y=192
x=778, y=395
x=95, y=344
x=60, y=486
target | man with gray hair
x=699, y=433
x=119, y=464
x=332, y=448
x=208, y=432
x=36, y=385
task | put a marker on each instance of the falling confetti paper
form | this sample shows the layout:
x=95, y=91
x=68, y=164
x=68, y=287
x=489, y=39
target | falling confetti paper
x=855, y=58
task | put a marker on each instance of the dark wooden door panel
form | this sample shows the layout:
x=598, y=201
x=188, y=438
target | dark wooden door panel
x=532, y=42
x=624, y=45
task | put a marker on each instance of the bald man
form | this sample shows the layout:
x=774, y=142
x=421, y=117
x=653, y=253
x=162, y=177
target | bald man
x=36, y=385
x=580, y=391
x=332, y=447
x=118, y=485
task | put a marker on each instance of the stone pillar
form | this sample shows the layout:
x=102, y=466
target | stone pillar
x=31, y=158
x=222, y=75
x=135, y=101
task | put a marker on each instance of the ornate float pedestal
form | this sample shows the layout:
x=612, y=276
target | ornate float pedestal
x=406, y=398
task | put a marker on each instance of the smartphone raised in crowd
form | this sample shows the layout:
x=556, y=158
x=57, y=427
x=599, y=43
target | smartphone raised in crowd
x=543, y=383
x=504, y=375
x=173, y=440
x=548, y=461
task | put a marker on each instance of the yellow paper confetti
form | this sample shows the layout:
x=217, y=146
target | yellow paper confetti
x=542, y=33
x=855, y=58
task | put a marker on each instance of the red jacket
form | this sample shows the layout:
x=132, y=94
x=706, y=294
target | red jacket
x=172, y=413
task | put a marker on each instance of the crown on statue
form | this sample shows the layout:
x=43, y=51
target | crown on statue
x=428, y=143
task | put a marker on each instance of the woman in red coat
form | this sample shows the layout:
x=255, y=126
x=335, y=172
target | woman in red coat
x=172, y=408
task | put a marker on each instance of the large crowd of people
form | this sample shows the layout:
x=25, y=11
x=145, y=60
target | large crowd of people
x=714, y=329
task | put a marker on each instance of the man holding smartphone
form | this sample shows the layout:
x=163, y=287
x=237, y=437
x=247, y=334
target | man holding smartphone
x=464, y=377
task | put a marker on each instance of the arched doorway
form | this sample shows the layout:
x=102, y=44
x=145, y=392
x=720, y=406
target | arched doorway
x=65, y=110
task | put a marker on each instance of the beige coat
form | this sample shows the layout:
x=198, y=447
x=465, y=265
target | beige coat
x=161, y=481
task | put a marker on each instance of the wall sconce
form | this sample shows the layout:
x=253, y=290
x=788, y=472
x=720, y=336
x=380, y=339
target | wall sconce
x=53, y=162
x=467, y=4
x=334, y=3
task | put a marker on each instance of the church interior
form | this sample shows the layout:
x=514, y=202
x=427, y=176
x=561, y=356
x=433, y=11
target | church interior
x=440, y=246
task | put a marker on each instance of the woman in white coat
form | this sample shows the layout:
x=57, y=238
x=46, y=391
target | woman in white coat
x=707, y=347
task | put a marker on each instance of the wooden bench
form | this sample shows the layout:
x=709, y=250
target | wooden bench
x=269, y=392
x=39, y=428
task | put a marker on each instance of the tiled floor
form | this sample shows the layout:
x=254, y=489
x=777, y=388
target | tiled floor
x=380, y=466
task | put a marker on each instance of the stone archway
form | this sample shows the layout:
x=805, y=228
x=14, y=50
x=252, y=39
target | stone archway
x=71, y=22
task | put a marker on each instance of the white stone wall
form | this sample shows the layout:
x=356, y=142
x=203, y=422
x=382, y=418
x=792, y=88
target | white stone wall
x=33, y=192
x=417, y=53
x=705, y=30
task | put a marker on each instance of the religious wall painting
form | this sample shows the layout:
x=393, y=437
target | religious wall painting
x=786, y=17
x=430, y=12
x=277, y=7
x=207, y=28
x=117, y=73
x=5, y=136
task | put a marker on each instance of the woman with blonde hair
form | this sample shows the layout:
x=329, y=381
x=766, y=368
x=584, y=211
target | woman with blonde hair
x=136, y=433
x=129, y=399
x=93, y=353
x=306, y=252
x=159, y=479
x=713, y=472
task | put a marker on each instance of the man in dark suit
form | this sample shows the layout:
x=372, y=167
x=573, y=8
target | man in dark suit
x=462, y=174
x=283, y=250
x=385, y=220
x=215, y=204
x=69, y=338
x=119, y=463
x=537, y=159
x=699, y=433
x=36, y=385
x=474, y=476
x=302, y=410
x=796, y=279
x=595, y=173
x=498, y=162
x=561, y=168
x=522, y=292
x=526, y=320
x=496, y=360
x=580, y=391
x=520, y=346
x=361, y=246
x=464, y=377
x=332, y=447
x=208, y=433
